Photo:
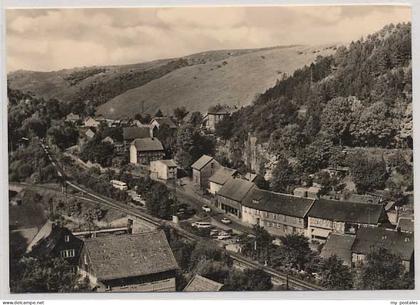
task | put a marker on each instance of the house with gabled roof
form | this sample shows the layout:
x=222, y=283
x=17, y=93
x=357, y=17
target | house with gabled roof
x=406, y=224
x=339, y=245
x=157, y=122
x=141, y=262
x=132, y=133
x=333, y=216
x=54, y=240
x=231, y=195
x=214, y=115
x=73, y=118
x=89, y=133
x=108, y=140
x=91, y=122
x=200, y=283
x=163, y=169
x=219, y=178
x=397, y=243
x=203, y=169
x=143, y=151
x=280, y=214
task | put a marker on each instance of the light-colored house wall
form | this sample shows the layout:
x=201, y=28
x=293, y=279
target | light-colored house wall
x=212, y=120
x=90, y=122
x=277, y=224
x=214, y=187
x=201, y=177
x=162, y=171
x=133, y=154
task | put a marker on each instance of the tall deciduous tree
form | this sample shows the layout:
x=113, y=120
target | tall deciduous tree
x=338, y=115
x=368, y=173
x=383, y=270
x=180, y=113
x=335, y=275
x=224, y=128
x=283, y=176
x=191, y=145
x=294, y=251
x=43, y=275
x=159, y=201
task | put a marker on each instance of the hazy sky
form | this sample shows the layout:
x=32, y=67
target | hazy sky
x=40, y=39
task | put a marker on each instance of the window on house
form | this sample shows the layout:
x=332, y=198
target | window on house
x=67, y=253
x=67, y=238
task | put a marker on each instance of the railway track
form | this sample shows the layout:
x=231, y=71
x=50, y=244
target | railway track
x=292, y=281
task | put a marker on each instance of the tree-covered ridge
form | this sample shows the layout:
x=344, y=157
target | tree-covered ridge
x=77, y=76
x=100, y=91
x=360, y=96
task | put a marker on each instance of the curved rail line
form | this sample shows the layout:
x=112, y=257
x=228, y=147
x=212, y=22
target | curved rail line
x=292, y=281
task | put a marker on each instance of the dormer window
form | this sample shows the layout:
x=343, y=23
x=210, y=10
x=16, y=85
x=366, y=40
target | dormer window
x=67, y=238
x=255, y=201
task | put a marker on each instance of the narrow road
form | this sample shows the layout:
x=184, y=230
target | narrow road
x=292, y=282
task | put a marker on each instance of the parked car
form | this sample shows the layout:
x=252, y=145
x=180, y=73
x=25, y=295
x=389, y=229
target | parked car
x=226, y=220
x=206, y=208
x=214, y=232
x=201, y=225
x=224, y=236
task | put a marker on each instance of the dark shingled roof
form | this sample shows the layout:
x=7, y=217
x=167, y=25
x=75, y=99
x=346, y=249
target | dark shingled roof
x=354, y=212
x=219, y=110
x=164, y=120
x=236, y=189
x=50, y=240
x=398, y=243
x=339, y=245
x=131, y=133
x=201, y=284
x=406, y=225
x=222, y=175
x=116, y=257
x=148, y=144
x=169, y=163
x=201, y=162
x=278, y=203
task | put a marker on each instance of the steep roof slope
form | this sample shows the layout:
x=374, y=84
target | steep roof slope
x=148, y=144
x=398, y=243
x=236, y=189
x=355, y=212
x=129, y=255
x=278, y=203
x=339, y=245
x=201, y=162
x=202, y=284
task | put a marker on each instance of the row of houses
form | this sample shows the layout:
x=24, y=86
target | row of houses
x=320, y=219
x=354, y=249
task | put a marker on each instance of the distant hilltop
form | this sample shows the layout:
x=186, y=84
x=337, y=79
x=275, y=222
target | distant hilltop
x=229, y=77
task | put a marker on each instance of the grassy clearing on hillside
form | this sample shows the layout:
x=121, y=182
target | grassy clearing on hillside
x=234, y=81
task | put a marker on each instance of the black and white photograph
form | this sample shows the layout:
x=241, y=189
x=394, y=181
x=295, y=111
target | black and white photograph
x=210, y=149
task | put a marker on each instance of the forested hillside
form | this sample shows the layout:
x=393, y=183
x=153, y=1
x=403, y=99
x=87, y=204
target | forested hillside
x=360, y=96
